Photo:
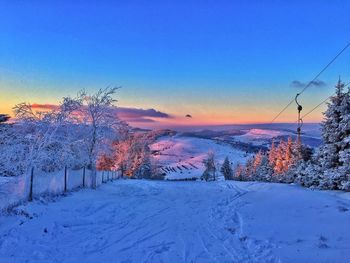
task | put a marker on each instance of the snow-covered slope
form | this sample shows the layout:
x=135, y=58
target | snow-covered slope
x=260, y=136
x=162, y=221
x=181, y=157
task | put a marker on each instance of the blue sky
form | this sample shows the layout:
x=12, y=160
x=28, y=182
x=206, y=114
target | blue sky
x=220, y=61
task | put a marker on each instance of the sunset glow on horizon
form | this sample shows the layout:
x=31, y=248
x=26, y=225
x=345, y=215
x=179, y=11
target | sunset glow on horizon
x=209, y=61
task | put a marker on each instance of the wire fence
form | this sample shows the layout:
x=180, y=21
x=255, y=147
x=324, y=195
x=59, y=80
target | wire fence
x=35, y=184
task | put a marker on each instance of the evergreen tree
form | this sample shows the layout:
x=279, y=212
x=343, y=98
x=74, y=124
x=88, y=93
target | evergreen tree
x=331, y=130
x=264, y=171
x=272, y=154
x=334, y=155
x=239, y=172
x=257, y=161
x=210, y=167
x=279, y=163
x=249, y=170
x=143, y=165
x=226, y=169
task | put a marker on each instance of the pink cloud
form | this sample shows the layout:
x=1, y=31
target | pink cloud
x=127, y=114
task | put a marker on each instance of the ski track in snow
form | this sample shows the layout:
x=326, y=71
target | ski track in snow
x=139, y=221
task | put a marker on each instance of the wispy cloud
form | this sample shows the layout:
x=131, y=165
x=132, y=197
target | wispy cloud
x=300, y=84
x=38, y=106
x=127, y=114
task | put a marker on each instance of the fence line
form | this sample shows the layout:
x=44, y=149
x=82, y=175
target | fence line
x=38, y=183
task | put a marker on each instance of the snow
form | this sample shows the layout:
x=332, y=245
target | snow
x=164, y=221
x=260, y=136
x=179, y=151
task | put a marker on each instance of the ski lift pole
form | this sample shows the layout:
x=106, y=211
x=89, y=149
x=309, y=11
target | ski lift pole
x=300, y=121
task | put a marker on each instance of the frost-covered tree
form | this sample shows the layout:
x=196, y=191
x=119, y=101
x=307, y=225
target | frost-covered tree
x=74, y=134
x=238, y=172
x=14, y=150
x=42, y=137
x=272, y=154
x=263, y=170
x=275, y=165
x=97, y=113
x=333, y=131
x=334, y=155
x=257, y=161
x=143, y=165
x=226, y=169
x=210, y=167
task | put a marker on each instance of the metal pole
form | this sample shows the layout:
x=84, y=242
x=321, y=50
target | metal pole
x=31, y=185
x=84, y=177
x=300, y=121
x=65, y=179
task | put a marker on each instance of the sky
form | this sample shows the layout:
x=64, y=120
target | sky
x=221, y=62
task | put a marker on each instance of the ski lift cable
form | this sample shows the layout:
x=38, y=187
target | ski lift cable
x=324, y=101
x=318, y=105
x=312, y=81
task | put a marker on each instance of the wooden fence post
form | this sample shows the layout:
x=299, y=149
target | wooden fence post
x=31, y=185
x=65, y=179
x=84, y=176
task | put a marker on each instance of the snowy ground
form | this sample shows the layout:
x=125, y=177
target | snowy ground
x=182, y=157
x=162, y=221
x=265, y=136
x=260, y=136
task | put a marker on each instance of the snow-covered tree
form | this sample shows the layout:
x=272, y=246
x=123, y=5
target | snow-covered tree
x=226, y=169
x=97, y=113
x=210, y=167
x=332, y=130
x=334, y=155
x=276, y=165
x=143, y=166
x=74, y=134
x=257, y=161
x=238, y=172
x=263, y=171
x=272, y=154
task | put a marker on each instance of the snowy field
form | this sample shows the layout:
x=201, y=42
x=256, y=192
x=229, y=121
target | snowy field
x=182, y=157
x=260, y=137
x=162, y=221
